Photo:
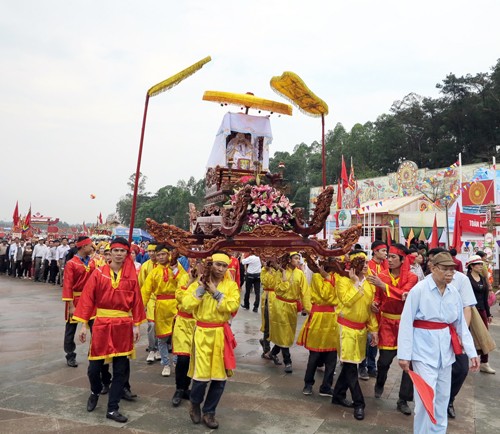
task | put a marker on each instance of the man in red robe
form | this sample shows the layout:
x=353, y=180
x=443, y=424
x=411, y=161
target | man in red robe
x=113, y=296
x=77, y=271
x=393, y=285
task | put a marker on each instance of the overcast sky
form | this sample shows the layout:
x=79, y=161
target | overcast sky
x=74, y=76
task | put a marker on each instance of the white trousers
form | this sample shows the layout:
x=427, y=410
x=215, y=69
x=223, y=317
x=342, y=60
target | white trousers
x=440, y=381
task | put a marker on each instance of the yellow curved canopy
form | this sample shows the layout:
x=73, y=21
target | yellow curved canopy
x=247, y=100
x=177, y=78
x=290, y=86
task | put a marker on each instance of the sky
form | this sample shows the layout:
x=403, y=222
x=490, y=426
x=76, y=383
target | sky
x=74, y=76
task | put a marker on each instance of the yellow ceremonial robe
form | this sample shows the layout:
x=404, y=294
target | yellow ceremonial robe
x=182, y=337
x=355, y=309
x=283, y=323
x=146, y=268
x=163, y=282
x=269, y=281
x=320, y=332
x=207, y=354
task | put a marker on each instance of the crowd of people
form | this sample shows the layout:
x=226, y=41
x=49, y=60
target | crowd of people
x=406, y=303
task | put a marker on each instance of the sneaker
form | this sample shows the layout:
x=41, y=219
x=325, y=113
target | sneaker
x=326, y=393
x=72, y=363
x=157, y=355
x=210, y=421
x=363, y=374
x=151, y=357
x=403, y=407
x=245, y=307
x=116, y=416
x=288, y=368
x=307, y=390
x=166, y=371
x=486, y=368
x=372, y=373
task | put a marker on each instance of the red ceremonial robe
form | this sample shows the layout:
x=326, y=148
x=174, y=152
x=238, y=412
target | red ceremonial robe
x=76, y=274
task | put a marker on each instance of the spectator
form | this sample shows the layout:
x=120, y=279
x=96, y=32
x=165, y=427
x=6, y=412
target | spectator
x=27, y=261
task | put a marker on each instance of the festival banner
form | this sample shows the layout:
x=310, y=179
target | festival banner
x=478, y=193
x=473, y=223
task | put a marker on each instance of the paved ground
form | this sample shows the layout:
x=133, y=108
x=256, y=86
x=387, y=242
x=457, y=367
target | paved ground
x=39, y=393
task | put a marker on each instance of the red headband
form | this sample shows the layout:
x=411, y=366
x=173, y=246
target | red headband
x=119, y=246
x=396, y=251
x=382, y=246
x=83, y=243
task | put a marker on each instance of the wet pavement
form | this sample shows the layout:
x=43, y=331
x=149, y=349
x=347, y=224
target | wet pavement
x=40, y=393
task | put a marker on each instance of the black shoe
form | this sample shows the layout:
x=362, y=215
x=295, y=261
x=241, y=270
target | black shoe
x=326, y=393
x=379, y=390
x=451, y=411
x=343, y=402
x=105, y=389
x=359, y=413
x=307, y=390
x=288, y=368
x=116, y=416
x=372, y=374
x=127, y=395
x=72, y=363
x=275, y=359
x=177, y=398
x=244, y=307
x=186, y=394
x=363, y=374
x=255, y=309
x=195, y=413
x=403, y=407
x=92, y=402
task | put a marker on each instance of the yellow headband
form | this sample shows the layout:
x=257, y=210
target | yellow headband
x=357, y=255
x=107, y=247
x=162, y=250
x=151, y=247
x=294, y=253
x=221, y=257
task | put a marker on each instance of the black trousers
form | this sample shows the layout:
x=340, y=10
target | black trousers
x=121, y=370
x=54, y=269
x=46, y=266
x=384, y=362
x=182, y=381
x=105, y=374
x=329, y=359
x=252, y=281
x=3, y=263
x=267, y=345
x=213, y=396
x=348, y=379
x=69, y=340
x=287, y=359
x=459, y=371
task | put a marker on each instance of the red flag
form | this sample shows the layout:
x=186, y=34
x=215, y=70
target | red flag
x=389, y=238
x=27, y=221
x=435, y=239
x=426, y=394
x=343, y=176
x=15, y=216
x=339, y=203
x=100, y=218
x=457, y=230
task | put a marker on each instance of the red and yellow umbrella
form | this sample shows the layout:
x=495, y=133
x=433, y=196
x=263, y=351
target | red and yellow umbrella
x=247, y=100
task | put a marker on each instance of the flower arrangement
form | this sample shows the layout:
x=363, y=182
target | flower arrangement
x=268, y=206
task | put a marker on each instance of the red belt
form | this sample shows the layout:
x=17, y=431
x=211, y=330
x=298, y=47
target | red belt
x=433, y=325
x=229, y=342
x=165, y=297
x=317, y=308
x=269, y=289
x=286, y=300
x=351, y=324
x=184, y=314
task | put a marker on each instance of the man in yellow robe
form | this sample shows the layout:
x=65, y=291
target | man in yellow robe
x=355, y=319
x=146, y=268
x=211, y=356
x=291, y=289
x=163, y=282
x=270, y=277
x=319, y=333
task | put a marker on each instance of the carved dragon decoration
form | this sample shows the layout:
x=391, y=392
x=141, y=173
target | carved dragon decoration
x=317, y=222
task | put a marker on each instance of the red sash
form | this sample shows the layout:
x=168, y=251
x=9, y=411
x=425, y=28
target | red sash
x=286, y=300
x=433, y=325
x=351, y=324
x=229, y=342
x=315, y=308
x=184, y=314
x=165, y=297
x=269, y=289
